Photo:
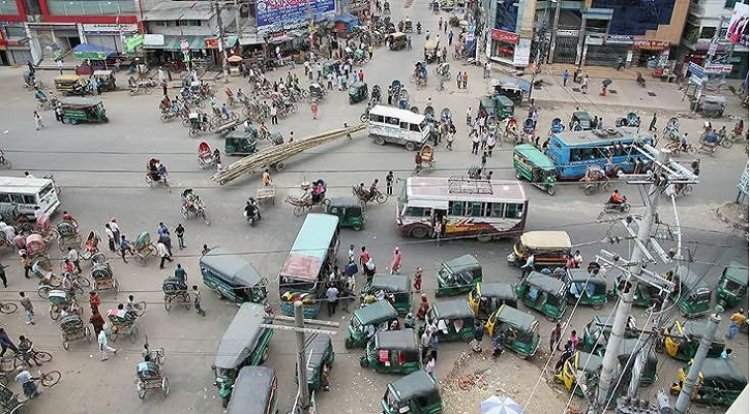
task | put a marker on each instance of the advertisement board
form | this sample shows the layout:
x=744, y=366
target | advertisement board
x=522, y=53
x=270, y=12
x=738, y=24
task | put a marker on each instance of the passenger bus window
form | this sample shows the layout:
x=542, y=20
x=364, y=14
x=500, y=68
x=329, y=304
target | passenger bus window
x=392, y=121
x=17, y=198
x=404, y=125
x=456, y=208
x=28, y=199
x=513, y=211
x=417, y=212
x=414, y=127
x=475, y=209
x=495, y=210
x=4, y=198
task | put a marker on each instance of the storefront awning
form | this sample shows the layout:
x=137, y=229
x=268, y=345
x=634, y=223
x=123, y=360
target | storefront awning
x=173, y=44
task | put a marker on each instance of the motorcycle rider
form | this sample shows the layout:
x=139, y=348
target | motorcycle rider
x=252, y=212
x=640, y=80
x=616, y=198
x=419, y=27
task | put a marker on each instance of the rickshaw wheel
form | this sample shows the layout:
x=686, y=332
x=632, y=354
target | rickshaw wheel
x=65, y=342
x=133, y=334
x=54, y=312
x=299, y=210
x=205, y=218
x=167, y=303
x=589, y=189
x=184, y=212
x=165, y=387
x=141, y=390
x=43, y=291
x=85, y=282
x=87, y=334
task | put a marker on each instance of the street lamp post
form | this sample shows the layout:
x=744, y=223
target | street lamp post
x=541, y=34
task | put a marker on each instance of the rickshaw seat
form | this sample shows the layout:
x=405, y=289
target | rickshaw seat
x=148, y=370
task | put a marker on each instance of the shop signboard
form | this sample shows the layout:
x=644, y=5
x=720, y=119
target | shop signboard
x=716, y=68
x=650, y=44
x=522, y=53
x=184, y=45
x=110, y=28
x=738, y=24
x=695, y=69
x=153, y=40
x=594, y=40
x=504, y=36
x=619, y=40
x=270, y=12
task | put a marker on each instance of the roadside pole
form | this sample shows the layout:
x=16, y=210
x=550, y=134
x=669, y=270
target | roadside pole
x=299, y=322
x=691, y=381
x=709, y=59
x=222, y=49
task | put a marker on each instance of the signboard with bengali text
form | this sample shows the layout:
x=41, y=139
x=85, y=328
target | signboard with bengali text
x=270, y=12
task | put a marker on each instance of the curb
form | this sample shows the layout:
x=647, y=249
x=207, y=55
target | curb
x=730, y=221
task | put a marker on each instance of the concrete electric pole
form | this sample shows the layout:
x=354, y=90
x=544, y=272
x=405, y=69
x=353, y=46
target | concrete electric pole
x=664, y=173
x=691, y=381
x=222, y=47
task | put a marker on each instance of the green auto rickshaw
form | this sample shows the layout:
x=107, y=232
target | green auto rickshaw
x=454, y=320
x=692, y=293
x=349, y=211
x=627, y=348
x=580, y=121
x=532, y=165
x=416, y=393
x=77, y=110
x=497, y=107
x=681, y=340
x=244, y=343
x=644, y=294
x=232, y=277
x=367, y=320
x=580, y=373
x=544, y=294
x=319, y=353
x=395, y=287
x=392, y=352
x=458, y=275
x=486, y=298
x=105, y=79
x=358, y=92
x=521, y=330
x=596, y=332
x=720, y=383
x=585, y=289
x=240, y=143
x=732, y=285
x=255, y=391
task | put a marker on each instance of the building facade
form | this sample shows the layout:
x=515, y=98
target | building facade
x=705, y=17
x=14, y=44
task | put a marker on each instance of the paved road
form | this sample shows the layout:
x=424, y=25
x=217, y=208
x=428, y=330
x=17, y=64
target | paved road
x=100, y=168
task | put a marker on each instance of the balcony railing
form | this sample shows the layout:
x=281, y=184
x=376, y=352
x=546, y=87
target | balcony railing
x=91, y=7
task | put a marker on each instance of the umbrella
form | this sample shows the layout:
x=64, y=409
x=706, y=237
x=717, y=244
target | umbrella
x=606, y=82
x=500, y=405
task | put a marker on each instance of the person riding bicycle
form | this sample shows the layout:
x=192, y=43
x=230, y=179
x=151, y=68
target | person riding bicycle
x=26, y=349
x=711, y=138
x=69, y=283
x=131, y=308
x=251, y=209
x=616, y=198
x=189, y=199
x=30, y=389
x=374, y=189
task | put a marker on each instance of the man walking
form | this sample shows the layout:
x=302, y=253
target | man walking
x=180, y=232
x=181, y=275
x=104, y=347
x=554, y=338
x=38, y=121
x=466, y=79
x=332, y=297
x=652, y=127
x=565, y=76
x=197, y=301
x=125, y=247
x=110, y=238
x=161, y=248
x=115, y=228
x=28, y=308
x=6, y=342
x=274, y=117
x=458, y=80
x=389, y=183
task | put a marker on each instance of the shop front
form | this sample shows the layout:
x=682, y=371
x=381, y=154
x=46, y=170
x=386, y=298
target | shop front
x=53, y=40
x=502, y=46
x=14, y=44
x=607, y=51
x=111, y=36
x=176, y=52
x=649, y=53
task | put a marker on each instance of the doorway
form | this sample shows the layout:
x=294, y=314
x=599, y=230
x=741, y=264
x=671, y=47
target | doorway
x=4, y=61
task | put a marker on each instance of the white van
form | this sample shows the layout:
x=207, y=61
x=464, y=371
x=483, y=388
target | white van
x=398, y=126
x=29, y=193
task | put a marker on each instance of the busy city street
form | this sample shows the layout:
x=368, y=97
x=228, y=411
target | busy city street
x=100, y=171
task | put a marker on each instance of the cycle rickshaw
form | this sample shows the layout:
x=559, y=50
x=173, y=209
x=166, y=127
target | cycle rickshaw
x=62, y=301
x=143, y=248
x=594, y=180
x=68, y=235
x=103, y=278
x=73, y=328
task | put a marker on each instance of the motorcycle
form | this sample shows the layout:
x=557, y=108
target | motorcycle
x=255, y=216
x=624, y=207
x=419, y=28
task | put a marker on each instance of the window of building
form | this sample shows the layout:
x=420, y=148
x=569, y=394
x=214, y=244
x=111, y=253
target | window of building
x=636, y=17
x=193, y=23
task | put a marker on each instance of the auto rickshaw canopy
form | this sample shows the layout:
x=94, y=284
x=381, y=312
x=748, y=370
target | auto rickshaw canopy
x=520, y=320
x=390, y=283
x=545, y=283
x=377, y=312
x=537, y=159
x=401, y=340
x=503, y=291
x=241, y=336
x=231, y=268
x=737, y=273
x=254, y=388
x=546, y=240
x=724, y=371
x=452, y=309
x=418, y=384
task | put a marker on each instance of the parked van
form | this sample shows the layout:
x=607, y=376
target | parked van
x=398, y=126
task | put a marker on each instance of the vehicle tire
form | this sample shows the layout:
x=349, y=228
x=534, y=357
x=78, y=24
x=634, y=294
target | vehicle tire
x=43, y=291
x=410, y=146
x=133, y=336
x=86, y=334
x=167, y=303
x=43, y=356
x=727, y=143
x=165, y=387
x=419, y=232
x=379, y=140
x=141, y=390
x=484, y=236
x=165, y=118
x=74, y=122
x=356, y=227
x=551, y=190
x=51, y=378
x=625, y=207
x=518, y=176
x=348, y=344
x=8, y=308
x=589, y=189
x=264, y=356
x=279, y=166
x=363, y=361
x=6, y=165
x=65, y=342
x=184, y=212
x=54, y=312
x=687, y=190
x=692, y=150
x=193, y=132
x=363, y=118
x=84, y=282
x=140, y=308
x=132, y=92
x=225, y=402
x=380, y=198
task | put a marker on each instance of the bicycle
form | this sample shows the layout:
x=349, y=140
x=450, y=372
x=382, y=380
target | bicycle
x=7, y=308
x=49, y=379
x=38, y=357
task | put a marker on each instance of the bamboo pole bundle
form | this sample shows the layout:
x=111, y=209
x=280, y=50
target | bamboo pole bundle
x=273, y=156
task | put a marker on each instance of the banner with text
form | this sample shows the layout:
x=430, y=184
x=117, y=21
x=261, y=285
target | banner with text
x=738, y=25
x=273, y=12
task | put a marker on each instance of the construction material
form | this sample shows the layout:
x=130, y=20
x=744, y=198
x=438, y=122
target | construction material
x=273, y=156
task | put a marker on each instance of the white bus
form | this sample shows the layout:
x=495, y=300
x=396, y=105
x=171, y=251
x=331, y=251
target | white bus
x=486, y=209
x=29, y=193
x=398, y=126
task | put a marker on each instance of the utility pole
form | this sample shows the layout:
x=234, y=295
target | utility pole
x=691, y=381
x=664, y=173
x=709, y=58
x=299, y=324
x=222, y=49
x=238, y=26
x=555, y=22
x=541, y=33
